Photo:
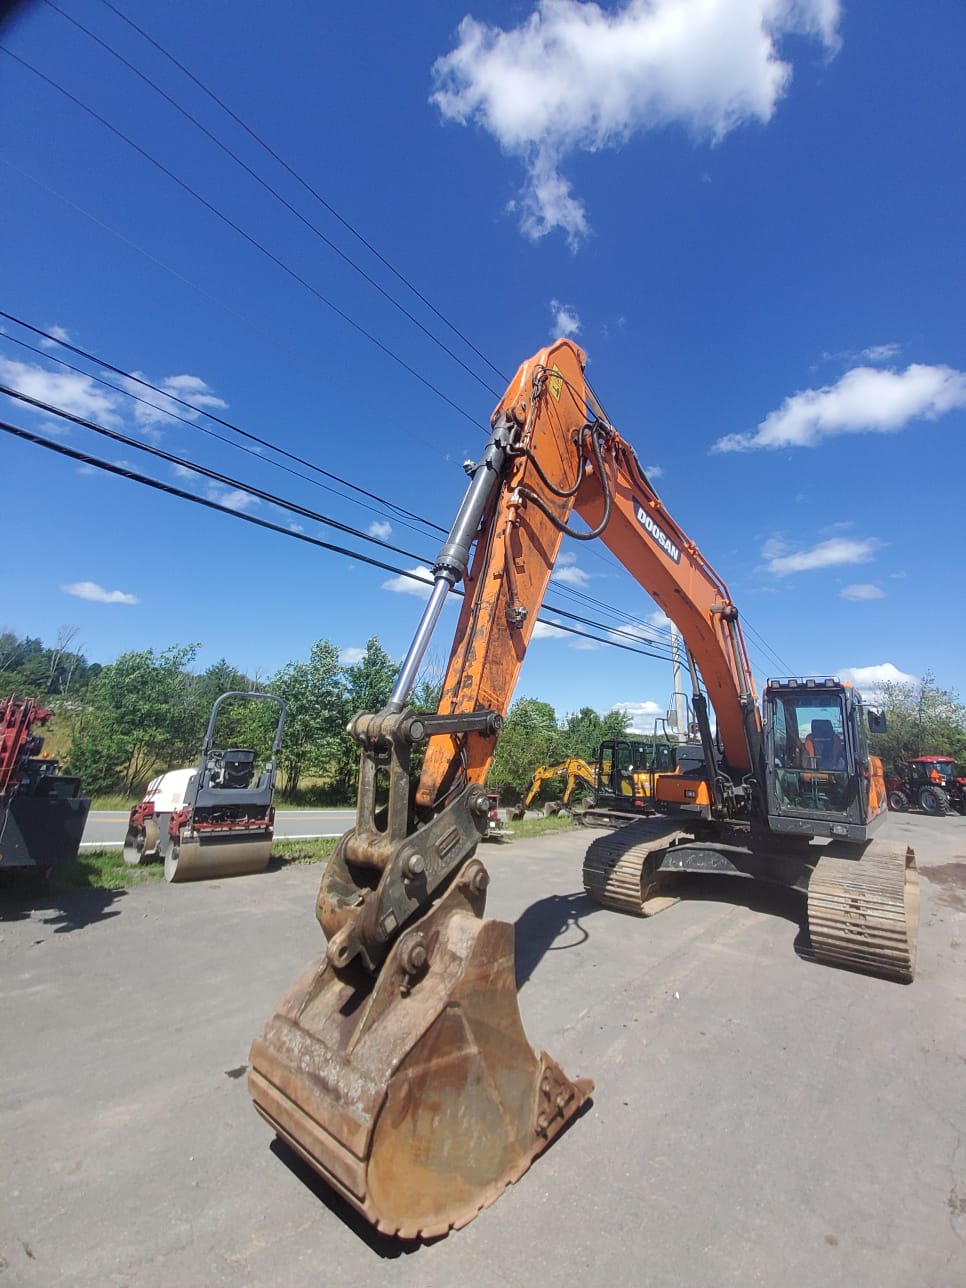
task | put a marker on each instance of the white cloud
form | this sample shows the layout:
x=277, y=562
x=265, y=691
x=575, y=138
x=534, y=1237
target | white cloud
x=350, y=656
x=879, y=352
x=566, y=320
x=67, y=390
x=781, y=560
x=380, y=529
x=642, y=714
x=862, y=590
x=864, y=400
x=296, y=527
x=406, y=586
x=869, y=680
x=576, y=77
x=97, y=594
x=654, y=471
x=567, y=572
x=235, y=498
x=546, y=631
x=191, y=389
x=58, y=333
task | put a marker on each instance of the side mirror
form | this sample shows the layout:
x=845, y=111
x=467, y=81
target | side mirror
x=877, y=721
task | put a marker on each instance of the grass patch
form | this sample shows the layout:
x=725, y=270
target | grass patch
x=528, y=827
x=102, y=870
x=119, y=804
x=285, y=852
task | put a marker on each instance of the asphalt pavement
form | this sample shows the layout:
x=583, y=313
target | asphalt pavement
x=758, y=1119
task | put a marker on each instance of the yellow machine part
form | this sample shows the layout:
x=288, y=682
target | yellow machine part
x=414, y=1093
x=196, y=858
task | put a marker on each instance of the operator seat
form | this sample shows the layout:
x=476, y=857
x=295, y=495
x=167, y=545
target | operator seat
x=824, y=745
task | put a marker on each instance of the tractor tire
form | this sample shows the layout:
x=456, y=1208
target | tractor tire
x=933, y=800
x=898, y=801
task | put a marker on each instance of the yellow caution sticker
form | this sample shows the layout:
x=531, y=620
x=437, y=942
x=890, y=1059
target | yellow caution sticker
x=556, y=384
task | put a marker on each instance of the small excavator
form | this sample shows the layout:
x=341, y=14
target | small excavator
x=397, y=1065
x=577, y=773
x=621, y=781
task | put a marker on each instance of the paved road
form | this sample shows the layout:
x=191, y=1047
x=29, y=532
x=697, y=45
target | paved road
x=758, y=1119
x=105, y=828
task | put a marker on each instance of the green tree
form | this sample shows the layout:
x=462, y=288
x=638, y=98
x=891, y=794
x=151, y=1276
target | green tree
x=583, y=732
x=313, y=692
x=530, y=737
x=922, y=719
x=367, y=685
x=616, y=723
x=30, y=668
x=139, y=719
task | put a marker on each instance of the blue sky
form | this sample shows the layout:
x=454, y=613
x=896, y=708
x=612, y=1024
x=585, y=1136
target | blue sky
x=748, y=212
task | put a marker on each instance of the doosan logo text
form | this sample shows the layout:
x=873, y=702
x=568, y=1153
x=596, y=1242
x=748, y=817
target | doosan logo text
x=658, y=534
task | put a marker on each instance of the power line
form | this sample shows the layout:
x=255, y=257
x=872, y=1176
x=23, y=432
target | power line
x=124, y=472
x=252, y=241
x=273, y=191
x=169, y=489
x=549, y=607
x=214, y=475
x=307, y=186
x=219, y=420
x=203, y=429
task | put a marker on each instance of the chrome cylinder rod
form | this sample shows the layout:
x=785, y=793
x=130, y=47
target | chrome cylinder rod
x=407, y=672
x=454, y=555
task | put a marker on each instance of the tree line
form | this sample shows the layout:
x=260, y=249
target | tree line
x=147, y=711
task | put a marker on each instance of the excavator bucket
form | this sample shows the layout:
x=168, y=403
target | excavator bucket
x=414, y=1093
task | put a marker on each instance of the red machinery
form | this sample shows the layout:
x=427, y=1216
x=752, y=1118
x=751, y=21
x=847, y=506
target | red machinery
x=42, y=812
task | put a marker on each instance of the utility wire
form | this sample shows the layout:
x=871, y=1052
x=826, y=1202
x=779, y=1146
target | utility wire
x=219, y=420
x=217, y=477
x=252, y=241
x=203, y=429
x=273, y=192
x=550, y=608
x=124, y=472
x=307, y=186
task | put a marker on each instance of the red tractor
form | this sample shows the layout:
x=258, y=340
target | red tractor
x=932, y=783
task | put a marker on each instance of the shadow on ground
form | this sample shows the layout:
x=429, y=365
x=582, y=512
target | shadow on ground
x=383, y=1245
x=69, y=907
x=557, y=922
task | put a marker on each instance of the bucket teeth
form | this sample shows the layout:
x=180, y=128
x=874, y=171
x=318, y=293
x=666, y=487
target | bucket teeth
x=414, y=1094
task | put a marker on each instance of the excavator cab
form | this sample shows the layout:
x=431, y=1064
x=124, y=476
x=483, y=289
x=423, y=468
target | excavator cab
x=821, y=778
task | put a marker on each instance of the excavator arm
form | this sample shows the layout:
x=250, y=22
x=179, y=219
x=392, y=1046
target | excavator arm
x=562, y=456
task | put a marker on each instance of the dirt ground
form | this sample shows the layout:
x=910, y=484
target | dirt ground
x=758, y=1119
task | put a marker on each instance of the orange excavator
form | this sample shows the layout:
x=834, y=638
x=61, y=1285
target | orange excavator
x=397, y=1066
